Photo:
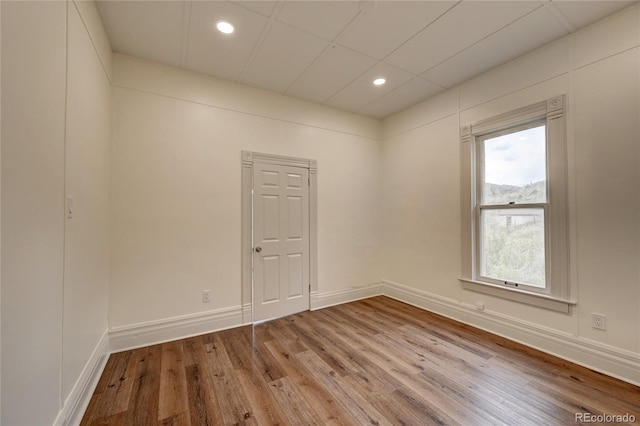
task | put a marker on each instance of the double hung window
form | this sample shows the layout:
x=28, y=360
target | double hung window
x=511, y=204
x=515, y=241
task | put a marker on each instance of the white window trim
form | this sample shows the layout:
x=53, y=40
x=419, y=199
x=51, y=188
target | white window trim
x=558, y=297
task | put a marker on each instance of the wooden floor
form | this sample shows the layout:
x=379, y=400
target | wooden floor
x=376, y=361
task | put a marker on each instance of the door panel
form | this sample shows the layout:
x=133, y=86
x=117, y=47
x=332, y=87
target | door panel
x=280, y=240
x=271, y=278
x=270, y=217
x=295, y=274
x=295, y=212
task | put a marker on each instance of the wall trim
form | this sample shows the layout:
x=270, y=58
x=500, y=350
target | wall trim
x=166, y=330
x=614, y=362
x=609, y=360
x=76, y=403
x=338, y=297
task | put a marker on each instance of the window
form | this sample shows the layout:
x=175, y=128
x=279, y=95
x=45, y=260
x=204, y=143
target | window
x=514, y=208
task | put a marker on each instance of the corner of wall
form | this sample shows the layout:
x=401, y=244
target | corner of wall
x=93, y=24
x=76, y=403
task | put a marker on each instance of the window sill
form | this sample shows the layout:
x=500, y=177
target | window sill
x=534, y=299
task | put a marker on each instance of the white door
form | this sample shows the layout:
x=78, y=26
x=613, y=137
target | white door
x=280, y=240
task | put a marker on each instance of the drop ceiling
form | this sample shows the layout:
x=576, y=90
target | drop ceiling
x=329, y=52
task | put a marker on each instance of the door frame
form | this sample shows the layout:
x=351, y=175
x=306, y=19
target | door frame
x=248, y=160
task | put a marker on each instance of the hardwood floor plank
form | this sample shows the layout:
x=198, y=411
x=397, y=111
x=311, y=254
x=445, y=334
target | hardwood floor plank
x=471, y=383
x=428, y=322
x=233, y=403
x=173, y=383
x=374, y=361
x=247, y=352
x=178, y=419
x=406, y=404
x=319, y=344
x=204, y=408
x=280, y=328
x=439, y=351
x=354, y=403
x=145, y=396
x=199, y=406
x=120, y=419
x=189, y=348
x=265, y=407
x=368, y=373
x=114, y=387
x=325, y=405
x=296, y=408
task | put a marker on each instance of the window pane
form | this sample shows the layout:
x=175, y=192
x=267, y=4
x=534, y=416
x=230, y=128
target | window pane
x=513, y=245
x=515, y=167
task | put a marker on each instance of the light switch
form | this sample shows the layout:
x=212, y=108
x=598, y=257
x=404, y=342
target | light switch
x=69, y=207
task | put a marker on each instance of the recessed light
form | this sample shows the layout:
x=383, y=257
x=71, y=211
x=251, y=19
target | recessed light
x=224, y=27
x=379, y=81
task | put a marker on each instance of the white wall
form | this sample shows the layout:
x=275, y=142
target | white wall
x=33, y=107
x=87, y=171
x=598, y=68
x=176, y=185
x=55, y=136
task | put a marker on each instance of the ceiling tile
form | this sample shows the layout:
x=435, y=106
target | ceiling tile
x=325, y=19
x=462, y=26
x=401, y=98
x=389, y=24
x=147, y=29
x=581, y=13
x=336, y=68
x=263, y=7
x=534, y=30
x=282, y=57
x=325, y=51
x=222, y=55
x=362, y=92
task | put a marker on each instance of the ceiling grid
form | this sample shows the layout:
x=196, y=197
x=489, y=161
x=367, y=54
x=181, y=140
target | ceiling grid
x=329, y=52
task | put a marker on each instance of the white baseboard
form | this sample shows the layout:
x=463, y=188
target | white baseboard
x=80, y=395
x=615, y=362
x=166, y=330
x=338, y=297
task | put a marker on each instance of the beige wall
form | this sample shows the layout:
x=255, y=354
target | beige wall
x=33, y=96
x=598, y=68
x=87, y=171
x=176, y=182
x=55, y=140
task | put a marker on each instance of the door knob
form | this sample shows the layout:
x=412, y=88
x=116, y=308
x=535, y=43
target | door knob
x=258, y=249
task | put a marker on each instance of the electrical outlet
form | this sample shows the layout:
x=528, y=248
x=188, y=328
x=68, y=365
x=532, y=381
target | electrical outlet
x=599, y=321
x=206, y=296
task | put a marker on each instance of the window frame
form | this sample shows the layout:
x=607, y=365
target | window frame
x=555, y=296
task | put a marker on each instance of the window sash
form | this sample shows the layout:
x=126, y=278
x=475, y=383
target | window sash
x=480, y=155
x=480, y=251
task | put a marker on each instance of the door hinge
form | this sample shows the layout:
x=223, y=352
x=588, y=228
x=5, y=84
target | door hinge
x=309, y=181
